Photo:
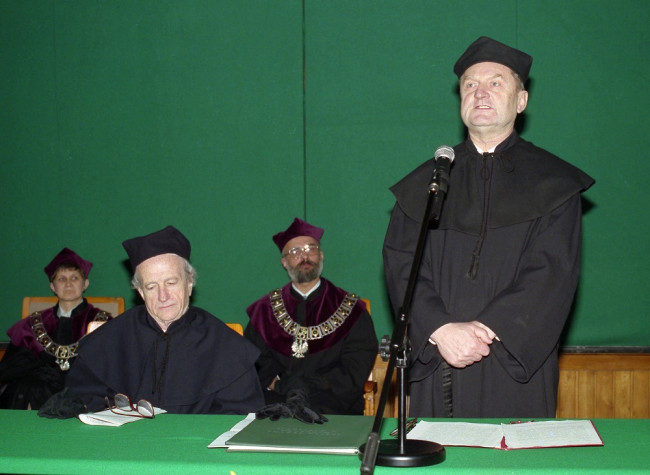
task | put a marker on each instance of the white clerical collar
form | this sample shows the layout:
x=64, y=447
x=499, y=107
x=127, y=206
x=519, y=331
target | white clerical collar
x=62, y=313
x=479, y=150
x=309, y=292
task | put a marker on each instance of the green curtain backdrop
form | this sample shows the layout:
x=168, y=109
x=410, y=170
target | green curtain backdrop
x=229, y=118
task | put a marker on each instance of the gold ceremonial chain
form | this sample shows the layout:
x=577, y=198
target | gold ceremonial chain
x=62, y=353
x=302, y=334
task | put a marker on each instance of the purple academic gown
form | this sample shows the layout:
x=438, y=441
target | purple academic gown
x=29, y=374
x=335, y=368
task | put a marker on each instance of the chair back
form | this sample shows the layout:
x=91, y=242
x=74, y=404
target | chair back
x=112, y=305
x=237, y=327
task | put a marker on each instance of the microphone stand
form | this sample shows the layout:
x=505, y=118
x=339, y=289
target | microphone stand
x=403, y=452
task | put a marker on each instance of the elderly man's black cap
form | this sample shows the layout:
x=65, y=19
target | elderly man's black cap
x=166, y=241
x=488, y=50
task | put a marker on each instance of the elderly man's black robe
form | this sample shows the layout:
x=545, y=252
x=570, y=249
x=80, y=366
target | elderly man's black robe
x=506, y=252
x=199, y=366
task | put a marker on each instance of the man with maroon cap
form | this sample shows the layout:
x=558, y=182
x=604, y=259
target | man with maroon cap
x=44, y=345
x=314, y=336
x=178, y=357
x=500, y=269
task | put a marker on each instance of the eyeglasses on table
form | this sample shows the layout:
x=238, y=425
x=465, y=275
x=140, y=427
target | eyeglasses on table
x=123, y=406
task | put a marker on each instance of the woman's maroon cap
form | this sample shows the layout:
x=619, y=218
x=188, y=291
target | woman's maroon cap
x=68, y=258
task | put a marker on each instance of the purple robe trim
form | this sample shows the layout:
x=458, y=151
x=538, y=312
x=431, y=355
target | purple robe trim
x=21, y=333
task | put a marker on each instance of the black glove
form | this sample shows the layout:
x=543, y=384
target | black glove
x=274, y=412
x=298, y=404
x=63, y=405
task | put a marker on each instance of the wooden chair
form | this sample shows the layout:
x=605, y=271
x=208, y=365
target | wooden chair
x=370, y=387
x=112, y=305
x=92, y=326
x=237, y=327
x=373, y=386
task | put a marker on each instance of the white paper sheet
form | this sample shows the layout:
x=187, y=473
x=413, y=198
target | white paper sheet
x=551, y=434
x=220, y=442
x=111, y=419
x=522, y=435
x=458, y=433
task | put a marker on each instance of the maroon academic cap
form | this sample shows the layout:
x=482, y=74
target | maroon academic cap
x=297, y=228
x=166, y=241
x=68, y=258
x=488, y=50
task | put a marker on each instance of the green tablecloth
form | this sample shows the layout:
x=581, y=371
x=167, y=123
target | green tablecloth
x=178, y=444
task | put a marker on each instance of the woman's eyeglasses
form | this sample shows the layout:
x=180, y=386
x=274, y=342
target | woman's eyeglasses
x=124, y=407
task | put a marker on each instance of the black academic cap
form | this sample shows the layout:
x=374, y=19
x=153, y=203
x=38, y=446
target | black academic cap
x=486, y=49
x=166, y=241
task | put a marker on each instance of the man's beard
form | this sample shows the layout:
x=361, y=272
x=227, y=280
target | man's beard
x=300, y=276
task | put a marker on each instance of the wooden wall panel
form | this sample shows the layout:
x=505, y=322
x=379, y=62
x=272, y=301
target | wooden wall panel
x=604, y=385
x=604, y=398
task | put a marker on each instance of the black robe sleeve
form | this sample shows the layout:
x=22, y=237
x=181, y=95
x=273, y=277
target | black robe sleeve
x=398, y=252
x=529, y=315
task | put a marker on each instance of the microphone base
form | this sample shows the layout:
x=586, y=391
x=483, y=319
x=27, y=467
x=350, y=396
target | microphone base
x=416, y=453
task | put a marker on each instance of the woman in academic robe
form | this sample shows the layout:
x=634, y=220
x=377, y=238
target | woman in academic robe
x=43, y=345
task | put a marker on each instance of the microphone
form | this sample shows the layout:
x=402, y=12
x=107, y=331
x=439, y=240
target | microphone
x=444, y=155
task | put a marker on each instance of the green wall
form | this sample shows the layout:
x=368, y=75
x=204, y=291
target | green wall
x=229, y=118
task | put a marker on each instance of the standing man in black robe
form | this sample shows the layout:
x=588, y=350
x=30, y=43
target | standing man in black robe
x=314, y=337
x=500, y=270
x=178, y=357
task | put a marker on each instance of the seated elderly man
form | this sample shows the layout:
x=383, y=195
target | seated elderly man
x=315, y=337
x=177, y=357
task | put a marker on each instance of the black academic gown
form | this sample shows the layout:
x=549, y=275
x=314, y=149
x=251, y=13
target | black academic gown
x=506, y=253
x=199, y=366
x=333, y=374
